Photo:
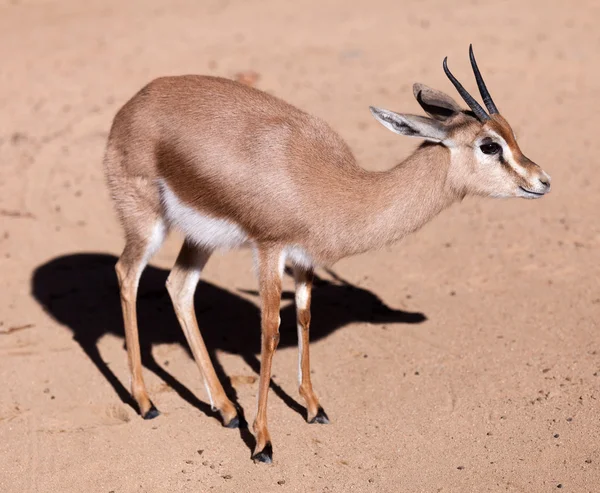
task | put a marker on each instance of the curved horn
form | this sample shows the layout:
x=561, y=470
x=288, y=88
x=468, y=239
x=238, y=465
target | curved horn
x=487, y=99
x=474, y=105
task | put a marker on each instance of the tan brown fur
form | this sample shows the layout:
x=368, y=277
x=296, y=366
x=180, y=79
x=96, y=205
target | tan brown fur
x=304, y=168
x=285, y=180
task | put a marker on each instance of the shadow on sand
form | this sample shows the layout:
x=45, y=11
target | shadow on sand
x=81, y=292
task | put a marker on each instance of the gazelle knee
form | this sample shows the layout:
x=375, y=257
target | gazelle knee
x=127, y=282
x=172, y=288
x=181, y=287
x=121, y=272
x=271, y=331
x=272, y=342
x=304, y=319
x=176, y=294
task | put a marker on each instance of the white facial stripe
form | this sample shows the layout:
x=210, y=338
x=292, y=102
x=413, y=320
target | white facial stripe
x=508, y=156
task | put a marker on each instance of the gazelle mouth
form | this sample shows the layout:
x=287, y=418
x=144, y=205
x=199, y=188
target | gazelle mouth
x=537, y=194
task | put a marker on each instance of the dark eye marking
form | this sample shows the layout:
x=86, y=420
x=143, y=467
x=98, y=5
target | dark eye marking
x=490, y=148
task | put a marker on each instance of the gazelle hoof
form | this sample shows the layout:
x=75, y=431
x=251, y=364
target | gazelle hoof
x=265, y=455
x=151, y=413
x=320, y=418
x=233, y=423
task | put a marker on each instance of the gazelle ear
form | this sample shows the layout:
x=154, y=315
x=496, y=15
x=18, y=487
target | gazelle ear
x=436, y=103
x=411, y=125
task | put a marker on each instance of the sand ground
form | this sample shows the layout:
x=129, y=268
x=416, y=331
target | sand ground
x=483, y=374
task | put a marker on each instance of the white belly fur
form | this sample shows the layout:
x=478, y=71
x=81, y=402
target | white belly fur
x=205, y=231
x=215, y=233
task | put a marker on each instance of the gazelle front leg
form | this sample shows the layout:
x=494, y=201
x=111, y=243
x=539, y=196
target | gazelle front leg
x=304, y=281
x=269, y=279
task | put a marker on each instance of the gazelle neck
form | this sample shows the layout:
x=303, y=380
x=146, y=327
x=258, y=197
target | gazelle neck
x=397, y=202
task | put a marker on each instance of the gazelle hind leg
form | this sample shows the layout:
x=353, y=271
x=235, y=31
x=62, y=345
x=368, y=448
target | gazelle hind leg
x=181, y=285
x=269, y=280
x=139, y=248
x=304, y=280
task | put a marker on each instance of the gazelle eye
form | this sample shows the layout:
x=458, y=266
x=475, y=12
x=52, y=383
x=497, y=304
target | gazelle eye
x=491, y=148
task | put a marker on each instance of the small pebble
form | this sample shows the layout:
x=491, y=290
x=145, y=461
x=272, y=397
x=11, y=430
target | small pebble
x=227, y=476
x=559, y=485
x=460, y=468
x=556, y=435
x=281, y=481
x=200, y=452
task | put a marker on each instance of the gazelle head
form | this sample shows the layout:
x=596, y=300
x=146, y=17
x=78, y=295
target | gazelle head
x=485, y=158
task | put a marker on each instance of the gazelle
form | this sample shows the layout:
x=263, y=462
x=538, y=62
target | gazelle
x=231, y=166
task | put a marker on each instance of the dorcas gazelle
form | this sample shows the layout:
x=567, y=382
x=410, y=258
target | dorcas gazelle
x=231, y=166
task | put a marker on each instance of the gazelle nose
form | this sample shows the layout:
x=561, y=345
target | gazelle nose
x=545, y=180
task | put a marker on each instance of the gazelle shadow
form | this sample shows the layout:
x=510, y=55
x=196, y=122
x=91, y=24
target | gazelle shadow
x=81, y=292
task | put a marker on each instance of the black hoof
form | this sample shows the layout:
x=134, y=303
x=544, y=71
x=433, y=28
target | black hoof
x=265, y=455
x=152, y=412
x=234, y=423
x=320, y=418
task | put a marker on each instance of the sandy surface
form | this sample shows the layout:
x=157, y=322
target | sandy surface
x=484, y=374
